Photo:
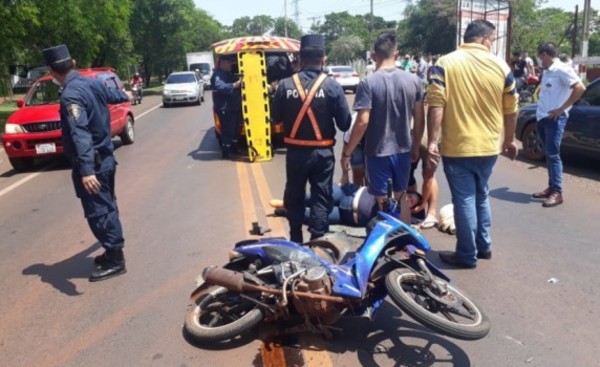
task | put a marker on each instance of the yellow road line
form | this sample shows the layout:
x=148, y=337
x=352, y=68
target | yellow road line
x=275, y=223
x=248, y=211
x=312, y=358
x=272, y=354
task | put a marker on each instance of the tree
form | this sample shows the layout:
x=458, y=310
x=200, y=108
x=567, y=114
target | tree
x=429, y=26
x=255, y=26
x=161, y=31
x=345, y=48
x=293, y=30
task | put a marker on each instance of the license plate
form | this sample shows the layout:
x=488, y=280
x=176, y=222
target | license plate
x=45, y=148
x=179, y=98
x=346, y=75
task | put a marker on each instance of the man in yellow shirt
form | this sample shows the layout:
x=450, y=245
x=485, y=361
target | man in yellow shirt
x=472, y=99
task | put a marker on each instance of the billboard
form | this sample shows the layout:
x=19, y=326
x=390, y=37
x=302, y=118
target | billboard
x=496, y=12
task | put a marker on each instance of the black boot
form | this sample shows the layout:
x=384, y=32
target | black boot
x=111, y=265
x=101, y=259
x=226, y=151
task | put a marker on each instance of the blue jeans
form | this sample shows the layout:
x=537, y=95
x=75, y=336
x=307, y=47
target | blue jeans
x=468, y=181
x=550, y=133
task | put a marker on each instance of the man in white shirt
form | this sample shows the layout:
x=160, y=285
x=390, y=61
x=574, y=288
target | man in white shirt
x=530, y=69
x=560, y=89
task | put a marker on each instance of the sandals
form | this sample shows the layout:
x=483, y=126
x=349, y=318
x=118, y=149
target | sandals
x=429, y=222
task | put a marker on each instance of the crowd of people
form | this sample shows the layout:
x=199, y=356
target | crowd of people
x=469, y=124
x=471, y=117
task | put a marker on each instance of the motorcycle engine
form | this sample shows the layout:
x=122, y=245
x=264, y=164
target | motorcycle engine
x=316, y=280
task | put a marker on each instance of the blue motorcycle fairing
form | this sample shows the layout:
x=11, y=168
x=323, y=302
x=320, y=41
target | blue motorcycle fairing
x=371, y=249
x=345, y=282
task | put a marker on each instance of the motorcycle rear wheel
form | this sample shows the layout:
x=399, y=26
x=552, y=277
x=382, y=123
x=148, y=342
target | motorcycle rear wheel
x=219, y=315
x=466, y=322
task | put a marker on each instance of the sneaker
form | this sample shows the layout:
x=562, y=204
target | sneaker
x=542, y=195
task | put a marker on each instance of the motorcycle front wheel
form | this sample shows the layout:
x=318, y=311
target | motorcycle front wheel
x=220, y=314
x=452, y=314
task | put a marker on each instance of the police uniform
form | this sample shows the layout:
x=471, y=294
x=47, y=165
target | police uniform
x=310, y=105
x=227, y=105
x=85, y=121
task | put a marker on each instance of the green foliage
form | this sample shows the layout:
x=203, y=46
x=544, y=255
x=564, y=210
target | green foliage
x=293, y=30
x=345, y=48
x=255, y=26
x=164, y=30
x=341, y=24
x=429, y=26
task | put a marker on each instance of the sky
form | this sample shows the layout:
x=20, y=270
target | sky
x=225, y=11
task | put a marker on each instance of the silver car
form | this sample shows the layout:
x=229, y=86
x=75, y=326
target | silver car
x=183, y=87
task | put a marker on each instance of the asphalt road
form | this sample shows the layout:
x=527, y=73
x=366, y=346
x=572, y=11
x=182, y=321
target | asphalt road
x=182, y=208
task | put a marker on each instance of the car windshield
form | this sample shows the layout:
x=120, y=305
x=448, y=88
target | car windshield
x=204, y=67
x=181, y=78
x=342, y=69
x=42, y=93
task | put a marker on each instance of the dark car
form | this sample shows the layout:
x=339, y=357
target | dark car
x=582, y=132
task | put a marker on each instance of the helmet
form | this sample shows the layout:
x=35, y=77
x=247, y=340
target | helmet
x=137, y=74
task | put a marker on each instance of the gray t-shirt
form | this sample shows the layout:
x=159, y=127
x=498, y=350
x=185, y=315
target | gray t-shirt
x=390, y=95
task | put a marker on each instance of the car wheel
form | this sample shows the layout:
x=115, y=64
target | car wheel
x=128, y=134
x=532, y=144
x=22, y=164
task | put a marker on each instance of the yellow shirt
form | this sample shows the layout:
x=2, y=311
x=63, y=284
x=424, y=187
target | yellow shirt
x=476, y=89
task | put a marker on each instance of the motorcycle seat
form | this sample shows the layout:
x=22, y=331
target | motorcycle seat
x=337, y=247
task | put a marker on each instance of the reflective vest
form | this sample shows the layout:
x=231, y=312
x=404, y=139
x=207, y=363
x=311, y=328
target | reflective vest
x=306, y=110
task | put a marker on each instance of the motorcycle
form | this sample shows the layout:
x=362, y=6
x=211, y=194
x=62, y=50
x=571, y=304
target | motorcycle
x=318, y=282
x=136, y=91
x=528, y=94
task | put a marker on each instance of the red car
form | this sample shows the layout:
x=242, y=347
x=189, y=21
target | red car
x=35, y=129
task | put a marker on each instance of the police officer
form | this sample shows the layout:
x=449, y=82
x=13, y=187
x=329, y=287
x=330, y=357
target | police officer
x=308, y=103
x=85, y=120
x=227, y=103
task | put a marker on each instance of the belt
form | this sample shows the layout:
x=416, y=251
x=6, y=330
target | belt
x=309, y=143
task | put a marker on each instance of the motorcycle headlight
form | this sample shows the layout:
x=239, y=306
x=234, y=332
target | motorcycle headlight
x=13, y=129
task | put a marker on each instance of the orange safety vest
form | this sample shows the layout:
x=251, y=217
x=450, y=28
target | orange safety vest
x=307, y=110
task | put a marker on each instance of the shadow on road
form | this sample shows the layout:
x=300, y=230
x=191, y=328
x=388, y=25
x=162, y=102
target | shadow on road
x=388, y=338
x=573, y=164
x=504, y=193
x=59, y=275
x=209, y=149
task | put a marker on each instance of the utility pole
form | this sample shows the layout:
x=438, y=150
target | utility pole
x=574, y=41
x=285, y=16
x=296, y=12
x=314, y=20
x=371, y=27
x=586, y=27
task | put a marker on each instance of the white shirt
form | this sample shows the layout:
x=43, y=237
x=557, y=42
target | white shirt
x=556, y=88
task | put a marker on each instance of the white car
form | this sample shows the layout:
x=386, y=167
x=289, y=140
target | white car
x=183, y=87
x=345, y=75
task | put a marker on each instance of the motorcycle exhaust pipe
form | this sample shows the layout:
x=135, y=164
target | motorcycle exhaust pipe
x=235, y=281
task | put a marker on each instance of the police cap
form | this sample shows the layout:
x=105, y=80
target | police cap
x=312, y=41
x=56, y=55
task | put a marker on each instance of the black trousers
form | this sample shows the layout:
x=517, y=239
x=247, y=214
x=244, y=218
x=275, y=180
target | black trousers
x=101, y=209
x=230, y=127
x=314, y=166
